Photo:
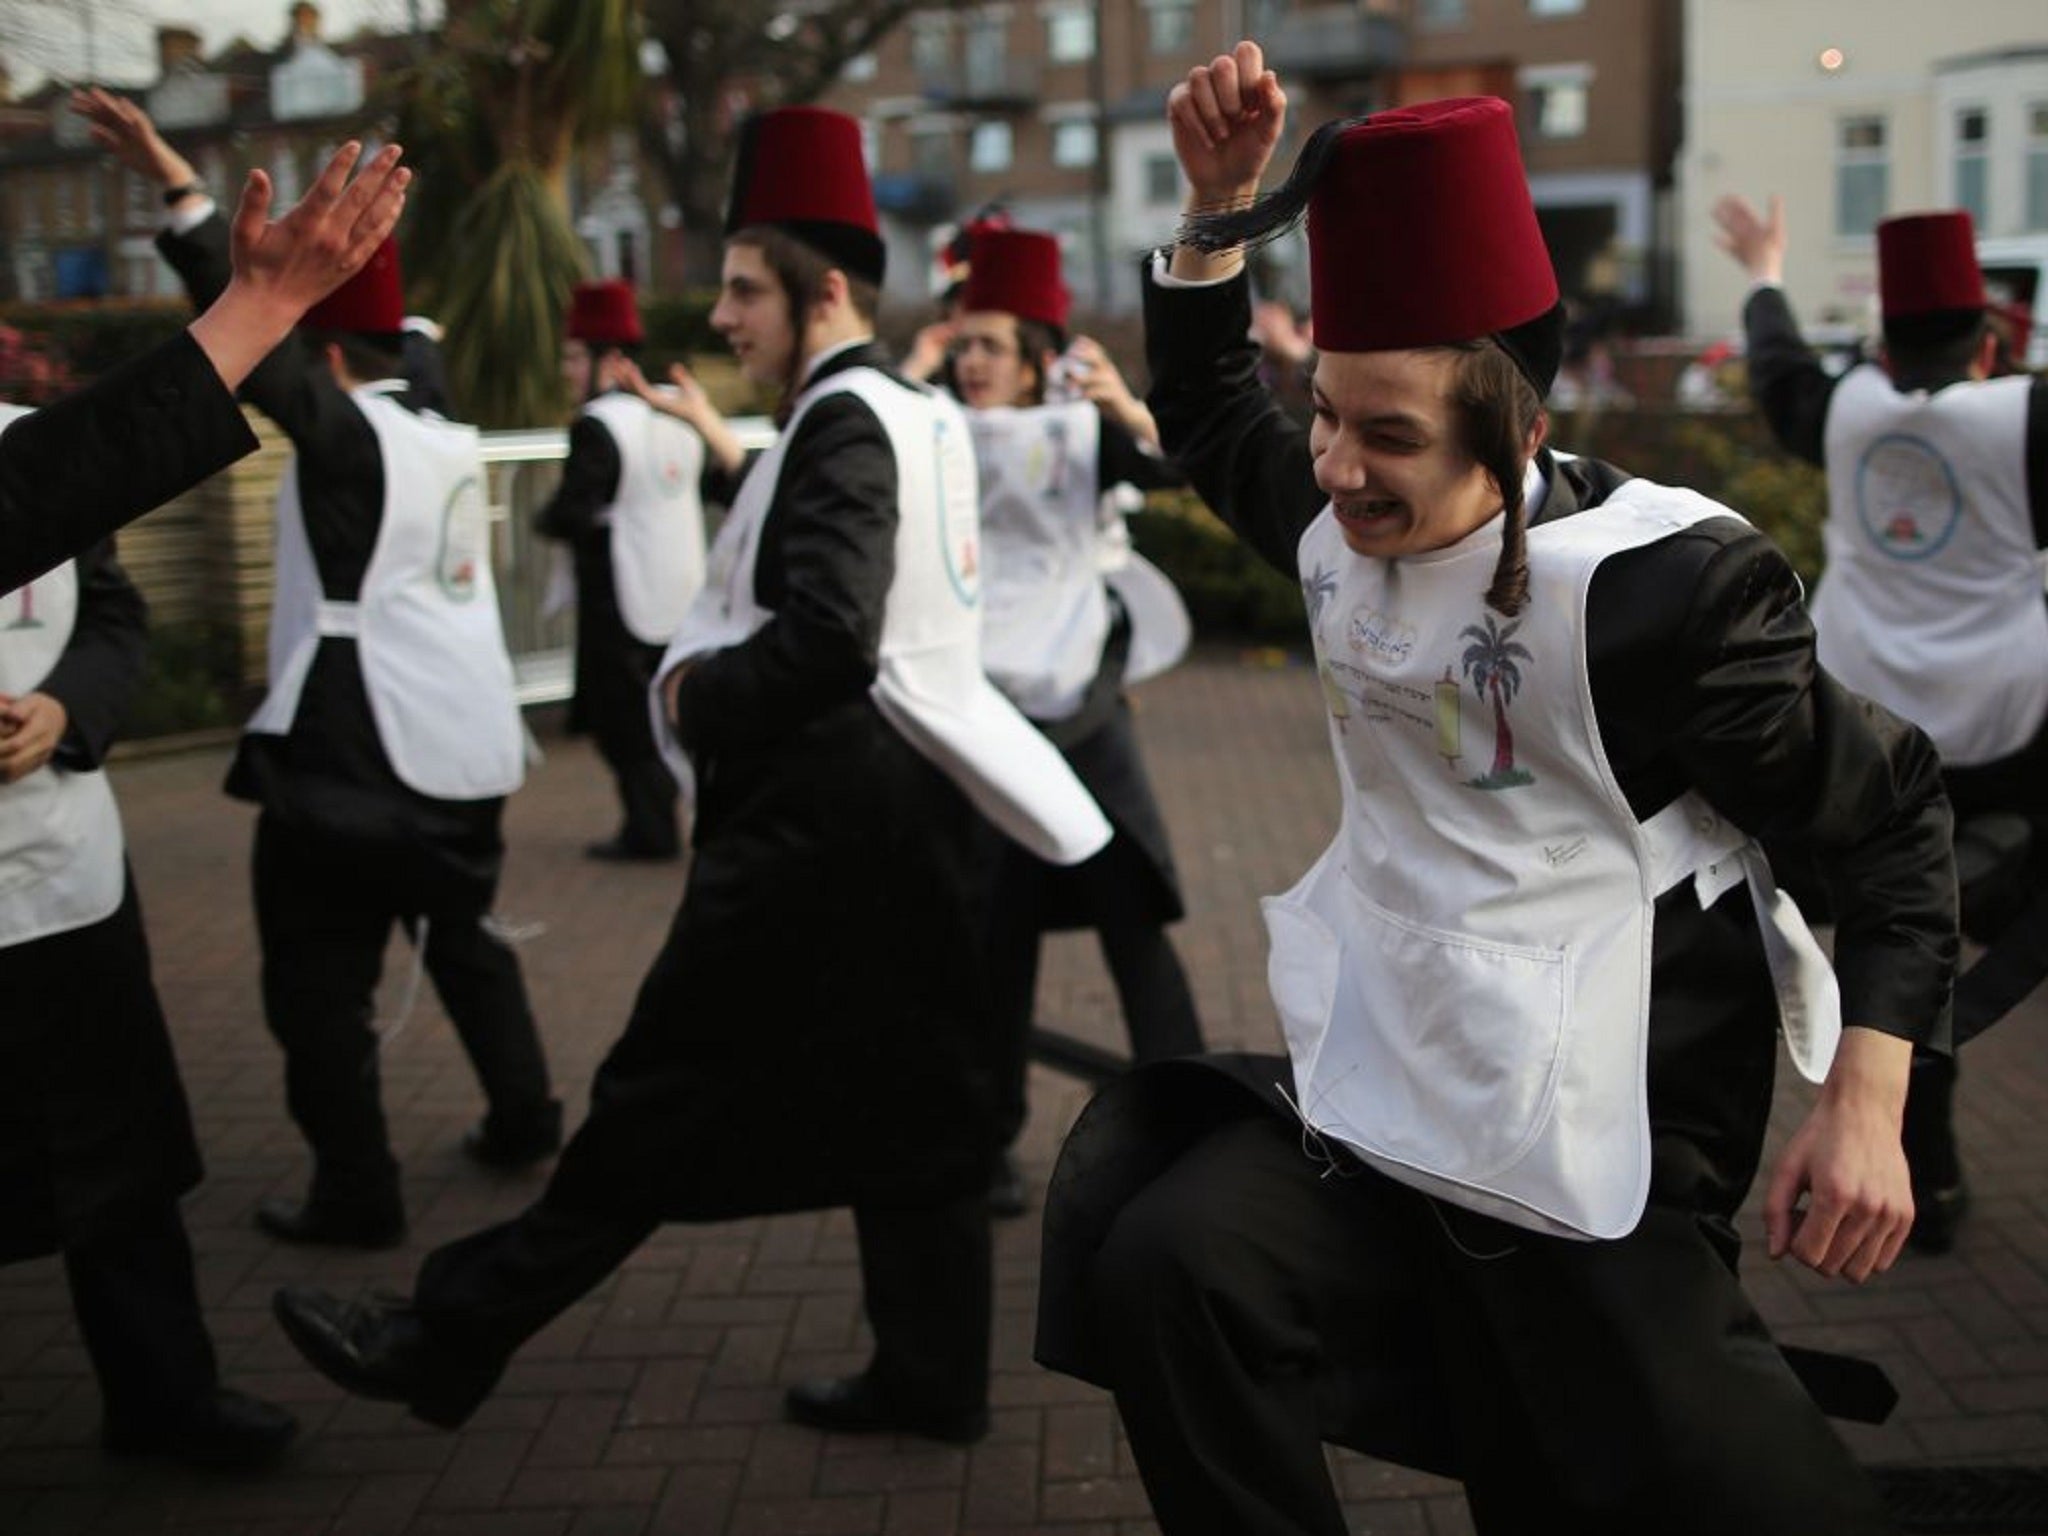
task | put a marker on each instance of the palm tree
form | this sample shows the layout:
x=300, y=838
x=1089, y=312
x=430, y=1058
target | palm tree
x=492, y=121
x=1317, y=589
x=1490, y=661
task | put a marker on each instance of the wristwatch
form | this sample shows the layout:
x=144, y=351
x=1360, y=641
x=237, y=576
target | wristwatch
x=176, y=195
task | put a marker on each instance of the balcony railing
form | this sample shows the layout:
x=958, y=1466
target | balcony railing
x=1336, y=42
x=991, y=84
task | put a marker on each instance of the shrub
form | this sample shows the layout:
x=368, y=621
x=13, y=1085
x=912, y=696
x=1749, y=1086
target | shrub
x=181, y=683
x=1230, y=592
x=87, y=340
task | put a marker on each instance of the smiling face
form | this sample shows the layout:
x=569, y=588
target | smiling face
x=1389, y=454
x=989, y=365
x=753, y=315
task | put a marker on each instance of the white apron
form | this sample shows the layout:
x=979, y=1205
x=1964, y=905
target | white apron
x=60, y=832
x=1464, y=976
x=1051, y=540
x=426, y=622
x=1931, y=603
x=656, y=519
x=930, y=685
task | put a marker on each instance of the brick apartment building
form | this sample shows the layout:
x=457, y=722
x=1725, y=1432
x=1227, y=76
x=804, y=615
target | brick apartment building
x=1056, y=109
x=74, y=225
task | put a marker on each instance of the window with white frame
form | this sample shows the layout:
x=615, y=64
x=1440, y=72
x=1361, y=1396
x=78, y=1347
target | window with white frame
x=2037, y=165
x=1556, y=7
x=931, y=43
x=1169, y=25
x=1973, y=162
x=1558, y=97
x=931, y=153
x=1862, y=174
x=1070, y=34
x=1073, y=142
x=990, y=148
x=1162, y=180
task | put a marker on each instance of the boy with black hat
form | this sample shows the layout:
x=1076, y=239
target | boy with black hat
x=1937, y=515
x=813, y=1032
x=629, y=508
x=383, y=752
x=1481, y=1221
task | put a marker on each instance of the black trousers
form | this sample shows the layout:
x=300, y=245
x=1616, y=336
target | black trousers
x=926, y=1273
x=1253, y=1302
x=613, y=682
x=1151, y=988
x=137, y=1301
x=324, y=911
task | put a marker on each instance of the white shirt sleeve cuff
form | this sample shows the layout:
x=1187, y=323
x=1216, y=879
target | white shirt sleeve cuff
x=189, y=215
x=1162, y=273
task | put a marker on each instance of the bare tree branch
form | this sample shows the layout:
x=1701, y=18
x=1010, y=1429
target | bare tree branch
x=782, y=52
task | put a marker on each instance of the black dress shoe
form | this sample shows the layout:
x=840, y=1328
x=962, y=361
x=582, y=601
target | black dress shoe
x=616, y=850
x=226, y=1431
x=1006, y=1194
x=518, y=1144
x=382, y=1350
x=855, y=1405
x=328, y=1225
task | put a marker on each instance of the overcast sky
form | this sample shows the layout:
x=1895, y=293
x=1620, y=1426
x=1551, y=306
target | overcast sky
x=43, y=37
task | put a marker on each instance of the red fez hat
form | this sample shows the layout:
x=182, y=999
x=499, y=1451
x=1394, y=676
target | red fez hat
x=373, y=300
x=1927, y=265
x=1421, y=231
x=801, y=170
x=951, y=263
x=604, y=313
x=1017, y=271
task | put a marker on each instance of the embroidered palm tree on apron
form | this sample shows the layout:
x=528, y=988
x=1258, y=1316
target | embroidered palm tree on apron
x=1491, y=662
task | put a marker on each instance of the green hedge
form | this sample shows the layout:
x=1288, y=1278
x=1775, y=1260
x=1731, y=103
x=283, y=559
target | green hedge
x=181, y=683
x=90, y=339
x=1230, y=592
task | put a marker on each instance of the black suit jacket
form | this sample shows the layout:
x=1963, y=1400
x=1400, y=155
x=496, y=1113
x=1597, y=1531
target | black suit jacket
x=75, y=471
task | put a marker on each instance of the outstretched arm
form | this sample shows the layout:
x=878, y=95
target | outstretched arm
x=1786, y=379
x=282, y=267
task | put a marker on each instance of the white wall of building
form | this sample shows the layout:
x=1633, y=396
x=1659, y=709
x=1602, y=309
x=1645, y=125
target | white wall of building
x=1764, y=114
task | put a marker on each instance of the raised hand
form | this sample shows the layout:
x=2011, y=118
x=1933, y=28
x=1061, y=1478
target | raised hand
x=125, y=131
x=282, y=267
x=1227, y=117
x=335, y=228
x=1098, y=380
x=686, y=400
x=1757, y=243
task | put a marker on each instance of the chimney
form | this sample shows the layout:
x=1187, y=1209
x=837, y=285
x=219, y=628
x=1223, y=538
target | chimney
x=176, y=48
x=305, y=23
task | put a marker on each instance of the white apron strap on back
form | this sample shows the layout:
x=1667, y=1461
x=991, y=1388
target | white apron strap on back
x=1690, y=839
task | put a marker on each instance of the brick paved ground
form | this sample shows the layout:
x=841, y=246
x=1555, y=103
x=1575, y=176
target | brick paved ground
x=653, y=1406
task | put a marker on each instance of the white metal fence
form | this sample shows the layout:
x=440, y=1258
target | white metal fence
x=522, y=470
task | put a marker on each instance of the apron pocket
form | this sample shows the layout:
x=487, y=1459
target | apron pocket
x=1436, y=1050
